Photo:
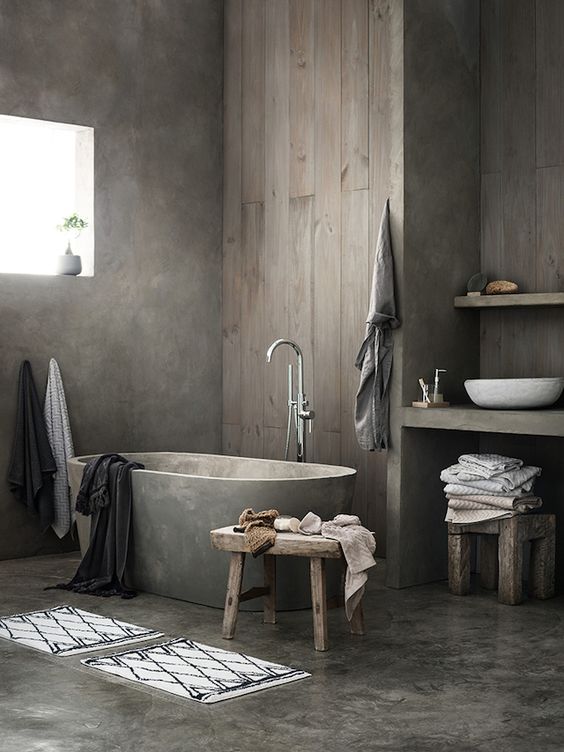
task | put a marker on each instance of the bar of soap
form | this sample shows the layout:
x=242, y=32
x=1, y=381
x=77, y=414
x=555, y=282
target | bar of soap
x=502, y=287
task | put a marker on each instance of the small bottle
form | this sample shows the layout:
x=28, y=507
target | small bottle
x=437, y=396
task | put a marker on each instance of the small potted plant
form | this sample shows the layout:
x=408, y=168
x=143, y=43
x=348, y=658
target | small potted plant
x=69, y=263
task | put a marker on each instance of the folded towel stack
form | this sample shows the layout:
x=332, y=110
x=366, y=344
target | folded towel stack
x=488, y=487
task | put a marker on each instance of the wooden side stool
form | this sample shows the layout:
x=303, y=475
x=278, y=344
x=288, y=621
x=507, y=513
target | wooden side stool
x=501, y=556
x=315, y=547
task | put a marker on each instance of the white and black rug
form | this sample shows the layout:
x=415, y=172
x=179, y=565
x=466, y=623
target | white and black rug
x=195, y=671
x=65, y=630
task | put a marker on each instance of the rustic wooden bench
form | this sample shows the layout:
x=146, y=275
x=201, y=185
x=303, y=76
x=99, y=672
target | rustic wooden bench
x=501, y=556
x=315, y=547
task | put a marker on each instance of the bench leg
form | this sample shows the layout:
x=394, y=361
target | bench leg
x=269, y=600
x=459, y=564
x=510, y=557
x=357, y=620
x=488, y=562
x=234, y=582
x=319, y=603
x=542, y=566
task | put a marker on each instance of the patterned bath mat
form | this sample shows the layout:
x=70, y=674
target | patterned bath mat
x=65, y=630
x=195, y=671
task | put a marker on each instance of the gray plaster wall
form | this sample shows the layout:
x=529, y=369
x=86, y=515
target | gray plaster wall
x=435, y=229
x=139, y=344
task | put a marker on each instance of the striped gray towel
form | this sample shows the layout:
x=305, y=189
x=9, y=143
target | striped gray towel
x=489, y=465
x=60, y=438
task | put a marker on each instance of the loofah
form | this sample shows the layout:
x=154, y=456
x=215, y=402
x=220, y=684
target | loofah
x=259, y=529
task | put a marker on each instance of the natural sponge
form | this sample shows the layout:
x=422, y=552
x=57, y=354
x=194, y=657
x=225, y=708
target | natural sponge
x=501, y=287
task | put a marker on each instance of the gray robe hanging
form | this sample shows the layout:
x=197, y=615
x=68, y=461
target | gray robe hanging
x=374, y=359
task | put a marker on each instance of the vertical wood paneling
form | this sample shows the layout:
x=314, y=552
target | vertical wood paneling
x=253, y=105
x=550, y=268
x=232, y=216
x=522, y=64
x=492, y=264
x=550, y=82
x=380, y=153
x=277, y=138
x=302, y=119
x=231, y=440
x=354, y=306
x=380, y=142
x=275, y=443
x=252, y=330
x=300, y=290
x=327, y=258
x=518, y=174
x=376, y=507
x=354, y=95
x=490, y=85
x=550, y=229
x=518, y=118
x=302, y=99
x=328, y=447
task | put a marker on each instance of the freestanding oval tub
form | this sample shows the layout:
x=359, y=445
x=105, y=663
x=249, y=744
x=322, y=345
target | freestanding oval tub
x=179, y=498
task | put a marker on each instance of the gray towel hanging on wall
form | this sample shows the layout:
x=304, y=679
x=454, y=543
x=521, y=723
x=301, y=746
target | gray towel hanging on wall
x=374, y=359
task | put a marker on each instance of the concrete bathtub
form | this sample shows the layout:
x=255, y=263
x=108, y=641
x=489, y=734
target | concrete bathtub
x=180, y=497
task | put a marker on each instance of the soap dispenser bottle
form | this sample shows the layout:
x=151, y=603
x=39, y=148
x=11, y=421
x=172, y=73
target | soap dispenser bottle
x=437, y=396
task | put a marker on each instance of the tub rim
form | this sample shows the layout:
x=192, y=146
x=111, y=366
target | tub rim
x=346, y=472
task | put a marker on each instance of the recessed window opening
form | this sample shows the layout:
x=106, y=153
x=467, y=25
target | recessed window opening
x=46, y=176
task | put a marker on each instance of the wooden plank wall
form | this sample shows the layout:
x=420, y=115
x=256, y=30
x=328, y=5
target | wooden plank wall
x=307, y=171
x=522, y=168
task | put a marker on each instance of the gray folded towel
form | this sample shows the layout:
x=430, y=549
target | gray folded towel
x=489, y=465
x=509, y=481
x=461, y=489
x=465, y=510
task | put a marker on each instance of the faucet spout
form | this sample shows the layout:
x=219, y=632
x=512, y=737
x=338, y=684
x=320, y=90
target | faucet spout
x=279, y=342
x=297, y=406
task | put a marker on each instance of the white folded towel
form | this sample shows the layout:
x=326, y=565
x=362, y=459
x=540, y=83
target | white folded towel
x=465, y=510
x=510, y=480
x=489, y=465
x=462, y=489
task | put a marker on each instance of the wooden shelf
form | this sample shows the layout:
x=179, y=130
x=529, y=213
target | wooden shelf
x=510, y=301
x=470, y=418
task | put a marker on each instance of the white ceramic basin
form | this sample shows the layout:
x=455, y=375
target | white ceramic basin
x=514, y=394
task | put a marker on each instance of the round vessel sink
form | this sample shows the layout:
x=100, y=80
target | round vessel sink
x=514, y=394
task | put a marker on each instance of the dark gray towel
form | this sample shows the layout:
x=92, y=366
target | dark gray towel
x=374, y=359
x=105, y=495
x=30, y=475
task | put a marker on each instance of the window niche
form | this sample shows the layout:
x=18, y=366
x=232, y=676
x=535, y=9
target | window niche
x=46, y=174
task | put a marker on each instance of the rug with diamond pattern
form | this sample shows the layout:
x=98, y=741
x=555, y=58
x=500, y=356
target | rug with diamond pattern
x=195, y=671
x=65, y=630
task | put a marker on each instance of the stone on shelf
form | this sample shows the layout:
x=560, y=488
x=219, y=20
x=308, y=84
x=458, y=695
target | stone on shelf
x=502, y=287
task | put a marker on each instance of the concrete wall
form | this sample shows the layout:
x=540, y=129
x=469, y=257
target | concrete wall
x=435, y=229
x=139, y=344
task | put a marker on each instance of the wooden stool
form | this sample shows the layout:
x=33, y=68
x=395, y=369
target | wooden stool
x=315, y=547
x=501, y=556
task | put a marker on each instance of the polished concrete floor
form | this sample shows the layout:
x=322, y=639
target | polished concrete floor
x=434, y=673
